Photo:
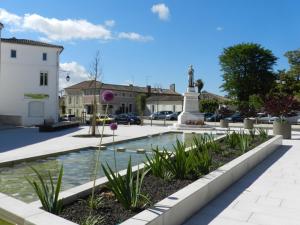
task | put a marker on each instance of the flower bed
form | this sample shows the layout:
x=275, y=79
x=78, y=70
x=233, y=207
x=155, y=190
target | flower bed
x=157, y=188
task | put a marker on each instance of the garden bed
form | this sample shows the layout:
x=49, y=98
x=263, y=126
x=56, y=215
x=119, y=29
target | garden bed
x=155, y=188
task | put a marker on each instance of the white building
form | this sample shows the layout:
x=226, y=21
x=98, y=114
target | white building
x=28, y=81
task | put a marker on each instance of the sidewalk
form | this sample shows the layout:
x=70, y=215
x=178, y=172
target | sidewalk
x=268, y=195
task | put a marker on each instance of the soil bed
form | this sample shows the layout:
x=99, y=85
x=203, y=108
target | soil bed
x=155, y=188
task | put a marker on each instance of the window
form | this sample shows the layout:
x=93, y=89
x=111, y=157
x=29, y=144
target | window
x=70, y=111
x=70, y=100
x=43, y=79
x=130, y=107
x=13, y=53
x=77, y=99
x=44, y=56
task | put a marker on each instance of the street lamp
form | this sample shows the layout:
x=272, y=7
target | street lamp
x=68, y=78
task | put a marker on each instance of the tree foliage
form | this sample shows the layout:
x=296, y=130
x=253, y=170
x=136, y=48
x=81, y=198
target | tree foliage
x=247, y=70
x=209, y=105
x=281, y=105
x=294, y=61
x=141, y=103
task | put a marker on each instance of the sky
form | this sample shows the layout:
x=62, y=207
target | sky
x=153, y=43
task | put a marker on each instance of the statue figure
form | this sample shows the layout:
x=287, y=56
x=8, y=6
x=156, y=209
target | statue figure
x=191, y=76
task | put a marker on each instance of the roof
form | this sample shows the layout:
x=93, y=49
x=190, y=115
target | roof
x=208, y=95
x=30, y=42
x=165, y=98
x=117, y=87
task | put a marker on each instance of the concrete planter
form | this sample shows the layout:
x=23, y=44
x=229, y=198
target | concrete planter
x=223, y=123
x=248, y=123
x=282, y=128
x=180, y=206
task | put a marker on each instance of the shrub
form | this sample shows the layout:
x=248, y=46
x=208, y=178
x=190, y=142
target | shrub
x=47, y=191
x=127, y=188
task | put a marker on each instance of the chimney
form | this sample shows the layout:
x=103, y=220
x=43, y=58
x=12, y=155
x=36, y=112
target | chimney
x=172, y=87
x=148, y=90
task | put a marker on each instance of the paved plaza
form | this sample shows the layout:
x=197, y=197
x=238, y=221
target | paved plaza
x=268, y=195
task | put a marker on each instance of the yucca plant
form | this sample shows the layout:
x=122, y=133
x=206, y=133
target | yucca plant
x=232, y=139
x=262, y=133
x=127, y=188
x=93, y=220
x=156, y=164
x=179, y=163
x=202, y=159
x=244, y=142
x=47, y=191
x=252, y=133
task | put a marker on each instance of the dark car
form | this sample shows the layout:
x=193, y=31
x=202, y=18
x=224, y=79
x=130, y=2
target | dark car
x=207, y=115
x=127, y=119
x=236, y=117
x=214, y=118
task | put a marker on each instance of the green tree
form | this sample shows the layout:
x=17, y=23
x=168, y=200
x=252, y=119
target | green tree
x=141, y=103
x=294, y=61
x=255, y=102
x=209, y=105
x=247, y=70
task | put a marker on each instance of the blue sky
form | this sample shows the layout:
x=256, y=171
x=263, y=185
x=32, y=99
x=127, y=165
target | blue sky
x=144, y=44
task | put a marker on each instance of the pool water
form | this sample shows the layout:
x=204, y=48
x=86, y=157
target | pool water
x=79, y=165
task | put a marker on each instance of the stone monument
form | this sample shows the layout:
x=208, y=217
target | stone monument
x=190, y=111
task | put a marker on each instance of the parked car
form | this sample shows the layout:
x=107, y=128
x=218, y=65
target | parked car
x=172, y=116
x=104, y=119
x=68, y=117
x=128, y=119
x=207, y=115
x=236, y=117
x=214, y=118
x=159, y=115
x=267, y=119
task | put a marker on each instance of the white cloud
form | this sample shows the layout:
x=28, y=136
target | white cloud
x=9, y=18
x=161, y=10
x=219, y=28
x=110, y=23
x=134, y=36
x=54, y=29
x=77, y=74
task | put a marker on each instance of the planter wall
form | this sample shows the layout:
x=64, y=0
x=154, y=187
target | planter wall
x=223, y=123
x=180, y=206
x=248, y=123
x=282, y=128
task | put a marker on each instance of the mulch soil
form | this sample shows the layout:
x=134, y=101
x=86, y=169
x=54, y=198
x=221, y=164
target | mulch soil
x=155, y=188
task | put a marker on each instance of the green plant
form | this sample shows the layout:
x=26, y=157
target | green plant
x=47, y=191
x=93, y=220
x=232, y=139
x=262, y=133
x=244, y=142
x=96, y=203
x=179, y=163
x=202, y=159
x=156, y=164
x=252, y=133
x=127, y=188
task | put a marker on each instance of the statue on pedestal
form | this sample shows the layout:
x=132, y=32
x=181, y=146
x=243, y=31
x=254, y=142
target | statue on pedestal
x=191, y=76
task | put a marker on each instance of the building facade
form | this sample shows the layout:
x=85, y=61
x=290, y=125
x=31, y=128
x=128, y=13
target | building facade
x=79, y=97
x=28, y=81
